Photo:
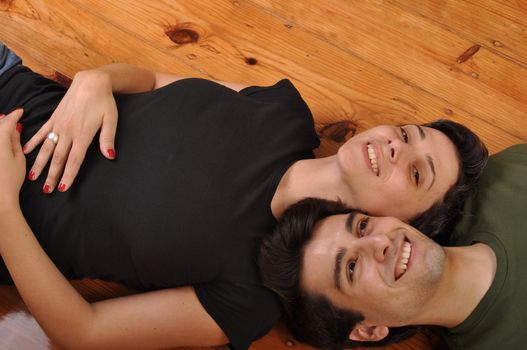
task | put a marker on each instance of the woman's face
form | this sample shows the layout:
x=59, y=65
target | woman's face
x=397, y=171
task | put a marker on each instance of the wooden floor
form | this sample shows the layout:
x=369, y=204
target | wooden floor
x=357, y=63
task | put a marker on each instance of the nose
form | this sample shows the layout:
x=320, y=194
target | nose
x=396, y=149
x=377, y=245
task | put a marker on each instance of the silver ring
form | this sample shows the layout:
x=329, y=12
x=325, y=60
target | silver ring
x=53, y=137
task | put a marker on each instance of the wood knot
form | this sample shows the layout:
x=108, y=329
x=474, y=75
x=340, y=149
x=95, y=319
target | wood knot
x=181, y=34
x=62, y=79
x=468, y=54
x=339, y=131
x=251, y=61
x=497, y=43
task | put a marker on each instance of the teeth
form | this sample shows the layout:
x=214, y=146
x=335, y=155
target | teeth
x=373, y=159
x=405, y=257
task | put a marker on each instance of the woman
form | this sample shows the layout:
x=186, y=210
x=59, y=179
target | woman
x=202, y=173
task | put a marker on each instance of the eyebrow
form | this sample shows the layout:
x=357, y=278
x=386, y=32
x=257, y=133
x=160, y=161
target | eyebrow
x=338, y=264
x=432, y=168
x=429, y=159
x=342, y=251
x=350, y=219
x=422, y=134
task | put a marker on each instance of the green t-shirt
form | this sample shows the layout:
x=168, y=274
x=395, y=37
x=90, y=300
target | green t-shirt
x=497, y=215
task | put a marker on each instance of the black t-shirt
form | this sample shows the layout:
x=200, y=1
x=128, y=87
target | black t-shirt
x=187, y=199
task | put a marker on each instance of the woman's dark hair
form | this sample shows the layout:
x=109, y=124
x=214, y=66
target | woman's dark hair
x=438, y=221
x=312, y=318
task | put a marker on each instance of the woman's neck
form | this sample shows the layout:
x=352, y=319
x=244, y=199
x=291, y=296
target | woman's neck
x=318, y=178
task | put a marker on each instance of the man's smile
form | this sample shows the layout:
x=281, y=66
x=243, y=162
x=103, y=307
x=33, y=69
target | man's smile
x=401, y=264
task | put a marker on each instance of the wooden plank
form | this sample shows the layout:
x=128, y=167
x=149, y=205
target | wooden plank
x=361, y=92
x=419, y=52
x=500, y=26
x=66, y=44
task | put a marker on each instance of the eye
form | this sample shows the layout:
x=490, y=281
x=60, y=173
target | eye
x=416, y=175
x=351, y=267
x=362, y=225
x=404, y=135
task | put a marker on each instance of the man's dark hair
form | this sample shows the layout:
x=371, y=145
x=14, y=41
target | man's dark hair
x=312, y=318
x=438, y=221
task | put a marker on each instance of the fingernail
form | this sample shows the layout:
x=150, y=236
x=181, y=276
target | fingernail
x=46, y=188
x=19, y=127
x=24, y=148
x=111, y=153
x=2, y=115
x=19, y=108
x=62, y=187
x=31, y=175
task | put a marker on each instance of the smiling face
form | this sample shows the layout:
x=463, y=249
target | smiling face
x=397, y=171
x=380, y=267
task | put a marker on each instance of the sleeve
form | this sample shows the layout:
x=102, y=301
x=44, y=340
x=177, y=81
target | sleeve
x=291, y=122
x=282, y=92
x=244, y=312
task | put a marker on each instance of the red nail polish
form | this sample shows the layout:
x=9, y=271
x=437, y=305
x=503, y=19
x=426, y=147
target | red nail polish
x=31, y=175
x=111, y=153
x=19, y=127
x=2, y=115
x=62, y=187
x=47, y=188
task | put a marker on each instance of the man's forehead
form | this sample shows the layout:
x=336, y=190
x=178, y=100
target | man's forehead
x=319, y=255
x=330, y=238
x=329, y=228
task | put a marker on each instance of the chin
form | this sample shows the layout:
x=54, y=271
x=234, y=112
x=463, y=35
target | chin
x=435, y=262
x=346, y=162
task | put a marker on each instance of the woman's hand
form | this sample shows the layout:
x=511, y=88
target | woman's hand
x=12, y=159
x=88, y=106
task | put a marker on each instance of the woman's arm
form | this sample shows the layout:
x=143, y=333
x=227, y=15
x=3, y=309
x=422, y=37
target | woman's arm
x=126, y=78
x=87, y=107
x=161, y=319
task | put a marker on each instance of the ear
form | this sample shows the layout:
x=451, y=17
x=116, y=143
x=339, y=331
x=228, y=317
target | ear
x=368, y=332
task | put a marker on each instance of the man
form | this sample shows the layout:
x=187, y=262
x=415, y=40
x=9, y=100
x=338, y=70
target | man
x=346, y=279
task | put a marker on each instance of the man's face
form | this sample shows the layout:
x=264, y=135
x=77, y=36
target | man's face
x=380, y=267
x=397, y=171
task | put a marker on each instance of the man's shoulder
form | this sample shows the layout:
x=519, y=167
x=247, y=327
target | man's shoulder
x=516, y=154
x=497, y=202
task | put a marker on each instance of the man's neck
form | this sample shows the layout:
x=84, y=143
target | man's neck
x=309, y=178
x=467, y=277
